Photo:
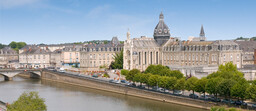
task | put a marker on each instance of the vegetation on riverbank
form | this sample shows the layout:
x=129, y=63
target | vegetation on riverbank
x=227, y=82
x=28, y=102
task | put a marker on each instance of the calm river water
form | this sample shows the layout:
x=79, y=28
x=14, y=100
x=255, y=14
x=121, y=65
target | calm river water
x=63, y=97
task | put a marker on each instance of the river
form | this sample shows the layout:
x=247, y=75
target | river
x=63, y=97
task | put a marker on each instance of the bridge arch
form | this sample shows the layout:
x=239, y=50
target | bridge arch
x=6, y=77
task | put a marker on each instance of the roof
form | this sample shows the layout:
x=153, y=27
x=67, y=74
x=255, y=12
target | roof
x=247, y=46
x=161, y=28
x=224, y=42
x=114, y=43
x=7, y=50
x=36, y=50
x=144, y=42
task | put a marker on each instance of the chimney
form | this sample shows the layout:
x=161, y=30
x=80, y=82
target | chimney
x=254, y=56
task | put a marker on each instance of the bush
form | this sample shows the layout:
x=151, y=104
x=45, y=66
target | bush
x=124, y=72
x=106, y=75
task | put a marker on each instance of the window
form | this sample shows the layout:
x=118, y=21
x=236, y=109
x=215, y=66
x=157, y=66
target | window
x=139, y=58
x=231, y=57
x=38, y=56
x=145, y=57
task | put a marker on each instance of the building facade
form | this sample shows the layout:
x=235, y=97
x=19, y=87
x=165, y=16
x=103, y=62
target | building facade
x=248, y=54
x=7, y=55
x=71, y=55
x=95, y=56
x=193, y=58
x=34, y=57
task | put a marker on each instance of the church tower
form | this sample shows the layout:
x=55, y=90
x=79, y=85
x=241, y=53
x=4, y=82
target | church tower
x=202, y=34
x=161, y=32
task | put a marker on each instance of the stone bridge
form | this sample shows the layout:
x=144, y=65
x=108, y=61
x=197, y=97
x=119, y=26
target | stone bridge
x=10, y=73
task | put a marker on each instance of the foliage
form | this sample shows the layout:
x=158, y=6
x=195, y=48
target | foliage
x=17, y=45
x=224, y=87
x=238, y=90
x=28, y=102
x=217, y=108
x=191, y=84
x=153, y=80
x=180, y=84
x=131, y=74
x=106, y=75
x=251, y=92
x=104, y=66
x=201, y=85
x=118, y=61
x=212, y=85
x=2, y=46
x=124, y=72
x=163, y=71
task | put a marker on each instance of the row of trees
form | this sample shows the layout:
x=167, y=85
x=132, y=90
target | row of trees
x=227, y=82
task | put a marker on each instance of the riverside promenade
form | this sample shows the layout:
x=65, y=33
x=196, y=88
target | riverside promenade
x=81, y=80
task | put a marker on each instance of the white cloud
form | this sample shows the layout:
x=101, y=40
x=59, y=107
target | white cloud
x=16, y=3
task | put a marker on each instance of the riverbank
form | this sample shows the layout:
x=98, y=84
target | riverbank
x=121, y=89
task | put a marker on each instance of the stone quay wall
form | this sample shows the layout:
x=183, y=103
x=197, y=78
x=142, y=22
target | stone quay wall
x=121, y=89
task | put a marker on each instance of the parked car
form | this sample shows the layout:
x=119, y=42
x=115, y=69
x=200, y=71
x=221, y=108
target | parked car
x=193, y=96
x=141, y=86
x=225, y=101
x=131, y=84
x=177, y=92
x=254, y=106
x=123, y=81
x=163, y=90
x=95, y=75
x=214, y=99
x=238, y=102
x=111, y=81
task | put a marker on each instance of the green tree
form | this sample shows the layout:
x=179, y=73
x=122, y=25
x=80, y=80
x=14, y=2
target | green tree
x=180, y=84
x=138, y=78
x=176, y=73
x=13, y=44
x=238, y=90
x=212, y=86
x=201, y=85
x=28, y=102
x=118, y=61
x=224, y=87
x=124, y=72
x=251, y=92
x=2, y=46
x=163, y=82
x=131, y=74
x=172, y=82
x=153, y=80
x=191, y=84
x=145, y=78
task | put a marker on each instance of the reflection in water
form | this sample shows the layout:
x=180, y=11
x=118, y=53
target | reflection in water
x=63, y=97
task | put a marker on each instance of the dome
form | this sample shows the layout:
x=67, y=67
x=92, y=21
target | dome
x=161, y=28
x=161, y=31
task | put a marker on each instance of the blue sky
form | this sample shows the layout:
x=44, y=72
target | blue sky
x=60, y=21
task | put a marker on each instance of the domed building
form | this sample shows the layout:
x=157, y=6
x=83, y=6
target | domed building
x=195, y=57
x=161, y=31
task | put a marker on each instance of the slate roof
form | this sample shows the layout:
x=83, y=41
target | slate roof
x=144, y=42
x=35, y=50
x=247, y=46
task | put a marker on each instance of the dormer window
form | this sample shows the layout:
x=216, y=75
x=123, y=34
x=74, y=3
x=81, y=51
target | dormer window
x=165, y=31
x=160, y=31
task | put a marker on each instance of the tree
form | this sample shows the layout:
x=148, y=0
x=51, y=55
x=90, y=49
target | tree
x=176, y=73
x=118, y=61
x=137, y=78
x=153, y=80
x=191, y=84
x=124, y=72
x=13, y=44
x=163, y=82
x=238, y=90
x=212, y=86
x=2, y=46
x=251, y=92
x=131, y=74
x=145, y=78
x=180, y=84
x=28, y=102
x=172, y=82
x=201, y=85
x=225, y=86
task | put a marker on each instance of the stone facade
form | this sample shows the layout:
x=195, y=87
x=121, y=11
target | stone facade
x=34, y=57
x=71, y=55
x=93, y=56
x=248, y=48
x=192, y=58
x=7, y=54
x=56, y=59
